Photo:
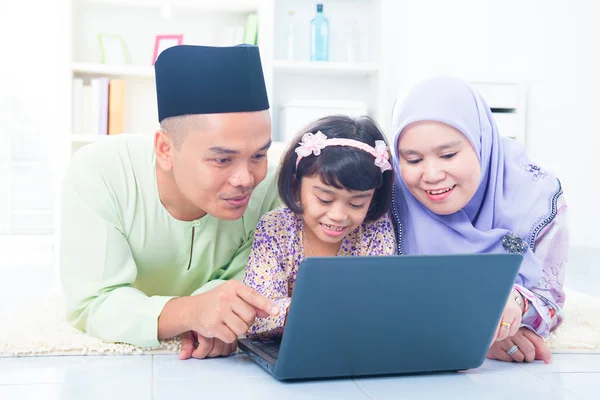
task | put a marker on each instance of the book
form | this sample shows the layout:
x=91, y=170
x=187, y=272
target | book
x=77, y=109
x=116, y=106
x=99, y=106
x=251, y=29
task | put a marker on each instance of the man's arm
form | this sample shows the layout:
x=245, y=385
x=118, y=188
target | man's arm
x=97, y=268
x=181, y=313
x=235, y=269
x=175, y=316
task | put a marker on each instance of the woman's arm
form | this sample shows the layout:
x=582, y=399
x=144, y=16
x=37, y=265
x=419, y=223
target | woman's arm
x=544, y=302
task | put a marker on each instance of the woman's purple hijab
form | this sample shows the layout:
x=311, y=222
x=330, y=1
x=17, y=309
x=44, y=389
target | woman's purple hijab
x=515, y=200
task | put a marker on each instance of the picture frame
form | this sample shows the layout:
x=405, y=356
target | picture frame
x=113, y=49
x=163, y=42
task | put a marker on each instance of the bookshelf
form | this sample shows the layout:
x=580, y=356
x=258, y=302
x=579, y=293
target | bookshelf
x=138, y=23
x=350, y=82
x=299, y=90
x=355, y=78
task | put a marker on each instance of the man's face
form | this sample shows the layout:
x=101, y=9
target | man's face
x=217, y=169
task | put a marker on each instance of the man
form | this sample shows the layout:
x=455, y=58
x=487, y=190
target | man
x=155, y=231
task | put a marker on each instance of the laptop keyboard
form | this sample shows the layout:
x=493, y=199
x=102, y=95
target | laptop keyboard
x=269, y=346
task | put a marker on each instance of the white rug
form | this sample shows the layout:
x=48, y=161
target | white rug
x=41, y=329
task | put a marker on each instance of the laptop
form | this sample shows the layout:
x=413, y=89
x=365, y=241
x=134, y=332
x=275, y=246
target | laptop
x=389, y=315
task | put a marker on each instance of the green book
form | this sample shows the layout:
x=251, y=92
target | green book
x=251, y=30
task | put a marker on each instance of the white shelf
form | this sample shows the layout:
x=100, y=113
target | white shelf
x=113, y=71
x=79, y=138
x=326, y=68
x=34, y=213
x=28, y=163
x=241, y=6
x=295, y=67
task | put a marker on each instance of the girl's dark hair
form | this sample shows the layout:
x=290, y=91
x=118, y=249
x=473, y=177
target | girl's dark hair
x=342, y=167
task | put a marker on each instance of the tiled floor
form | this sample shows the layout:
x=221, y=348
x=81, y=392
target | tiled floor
x=165, y=377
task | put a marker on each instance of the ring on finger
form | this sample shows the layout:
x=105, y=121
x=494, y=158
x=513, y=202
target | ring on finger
x=505, y=324
x=512, y=350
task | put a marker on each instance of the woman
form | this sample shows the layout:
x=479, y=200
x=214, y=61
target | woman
x=462, y=188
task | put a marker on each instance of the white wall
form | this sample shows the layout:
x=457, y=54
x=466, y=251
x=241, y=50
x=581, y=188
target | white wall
x=552, y=45
x=33, y=40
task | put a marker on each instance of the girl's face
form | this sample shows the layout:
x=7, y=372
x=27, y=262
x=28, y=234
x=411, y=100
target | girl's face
x=331, y=213
x=439, y=166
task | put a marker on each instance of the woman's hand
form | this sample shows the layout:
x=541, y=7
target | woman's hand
x=511, y=317
x=529, y=347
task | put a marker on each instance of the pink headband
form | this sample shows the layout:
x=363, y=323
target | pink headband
x=314, y=143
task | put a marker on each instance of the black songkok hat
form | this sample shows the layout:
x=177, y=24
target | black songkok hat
x=209, y=80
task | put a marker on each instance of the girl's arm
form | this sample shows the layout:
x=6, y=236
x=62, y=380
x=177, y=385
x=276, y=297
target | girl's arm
x=266, y=272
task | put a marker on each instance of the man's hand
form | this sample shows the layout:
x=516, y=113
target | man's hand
x=531, y=347
x=195, y=346
x=227, y=311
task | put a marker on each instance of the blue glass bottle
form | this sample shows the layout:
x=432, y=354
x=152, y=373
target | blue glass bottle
x=319, y=36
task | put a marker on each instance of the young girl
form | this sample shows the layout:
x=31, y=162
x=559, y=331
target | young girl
x=335, y=182
x=461, y=188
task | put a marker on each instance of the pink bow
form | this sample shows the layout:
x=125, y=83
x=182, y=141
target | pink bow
x=382, y=156
x=311, y=144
